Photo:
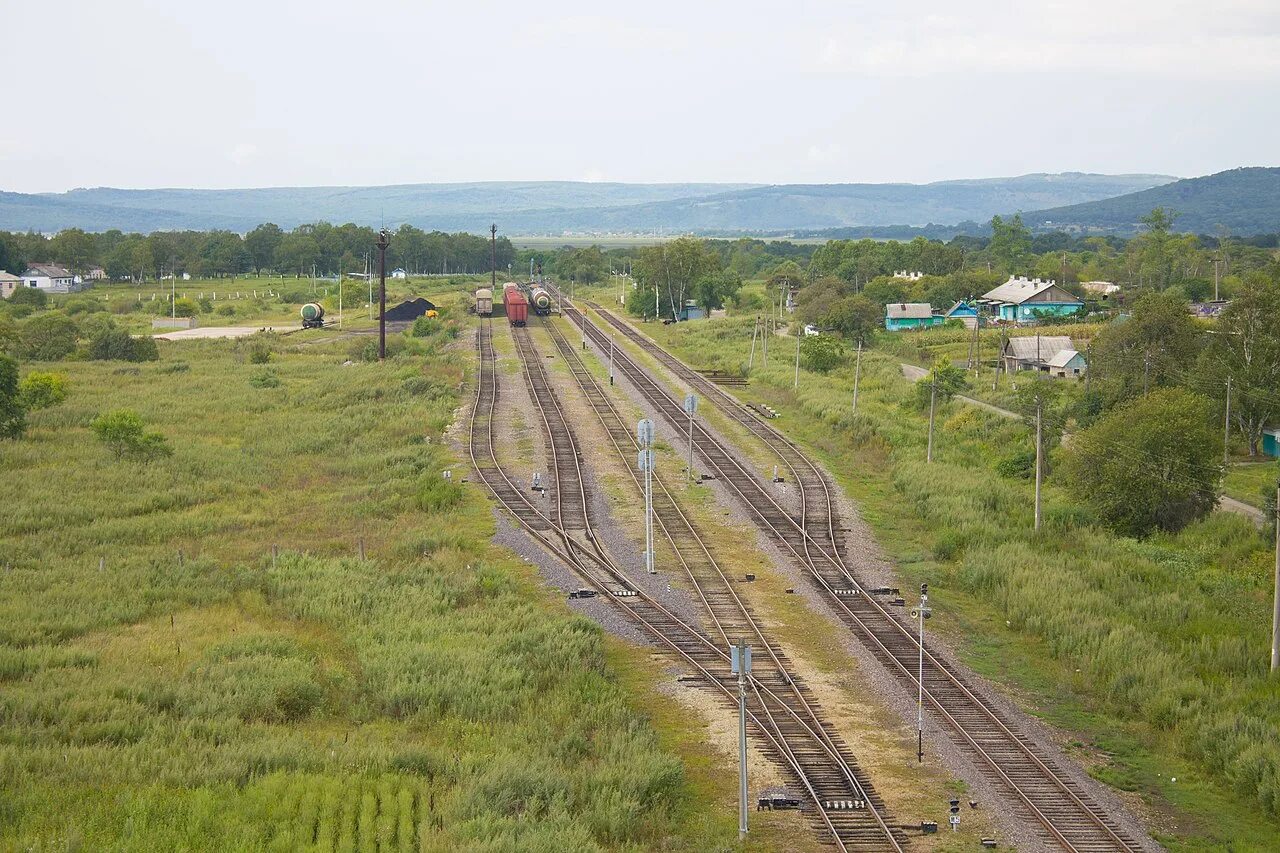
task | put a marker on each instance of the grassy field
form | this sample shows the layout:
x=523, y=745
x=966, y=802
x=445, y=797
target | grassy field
x=1152, y=654
x=1247, y=481
x=166, y=682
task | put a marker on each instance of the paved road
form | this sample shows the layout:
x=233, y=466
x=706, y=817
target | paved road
x=913, y=373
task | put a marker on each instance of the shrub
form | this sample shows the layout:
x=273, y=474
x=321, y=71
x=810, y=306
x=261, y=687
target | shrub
x=95, y=324
x=83, y=305
x=366, y=349
x=259, y=352
x=47, y=337
x=206, y=307
x=185, y=307
x=32, y=296
x=124, y=433
x=226, y=310
x=265, y=379
x=13, y=416
x=42, y=390
x=821, y=353
x=118, y=345
x=1021, y=464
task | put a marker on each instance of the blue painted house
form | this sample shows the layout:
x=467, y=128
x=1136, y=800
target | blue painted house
x=910, y=315
x=963, y=311
x=1024, y=300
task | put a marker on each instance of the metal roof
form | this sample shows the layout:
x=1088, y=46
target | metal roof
x=1019, y=290
x=1062, y=358
x=908, y=310
x=1037, y=347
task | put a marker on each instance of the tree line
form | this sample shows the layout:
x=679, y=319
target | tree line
x=321, y=247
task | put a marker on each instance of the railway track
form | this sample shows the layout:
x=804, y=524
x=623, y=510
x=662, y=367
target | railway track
x=806, y=749
x=1066, y=815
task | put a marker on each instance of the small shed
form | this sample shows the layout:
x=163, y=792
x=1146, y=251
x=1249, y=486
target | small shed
x=1271, y=441
x=910, y=315
x=691, y=311
x=1067, y=363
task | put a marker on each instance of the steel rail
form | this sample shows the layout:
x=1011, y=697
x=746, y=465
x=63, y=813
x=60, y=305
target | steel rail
x=937, y=666
x=572, y=554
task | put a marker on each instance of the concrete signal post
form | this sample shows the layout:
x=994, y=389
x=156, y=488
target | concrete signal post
x=740, y=658
x=690, y=409
x=645, y=461
x=920, y=614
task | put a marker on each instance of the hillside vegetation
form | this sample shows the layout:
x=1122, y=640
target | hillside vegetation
x=537, y=207
x=1241, y=201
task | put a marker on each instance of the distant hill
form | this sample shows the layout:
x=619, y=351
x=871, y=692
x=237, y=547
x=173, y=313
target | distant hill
x=1245, y=201
x=555, y=207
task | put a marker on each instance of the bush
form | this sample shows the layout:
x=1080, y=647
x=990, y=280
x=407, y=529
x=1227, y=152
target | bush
x=1021, y=464
x=226, y=310
x=185, y=307
x=366, y=349
x=42, y=390
x=95, y=324
x=124, y=433
x=118, y=345
x=265, y=379
x=47, y=337
x=259, y=352
x=821, y=353
x=83, y=305
x=32, y=296
x=13, y=416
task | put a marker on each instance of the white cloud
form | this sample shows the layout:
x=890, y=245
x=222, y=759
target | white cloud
x=1234, y=39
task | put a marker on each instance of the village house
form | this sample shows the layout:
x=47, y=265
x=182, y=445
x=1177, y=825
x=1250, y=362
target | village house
x=910, y=315
x=49, y=278
x=1271, y=441
x=908, y=275
x=1024, y=300
x=8, y=284
x=1036, y=352
x=964, y=312
x=95, y=274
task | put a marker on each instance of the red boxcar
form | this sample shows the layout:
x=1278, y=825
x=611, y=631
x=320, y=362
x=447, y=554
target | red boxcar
x=517, y=307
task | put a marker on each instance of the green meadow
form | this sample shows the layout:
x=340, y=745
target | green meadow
x=195, y=655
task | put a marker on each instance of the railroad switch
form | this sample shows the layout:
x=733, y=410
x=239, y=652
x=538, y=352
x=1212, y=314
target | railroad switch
x=989, y=843
x=845, y=592
x=928, y=827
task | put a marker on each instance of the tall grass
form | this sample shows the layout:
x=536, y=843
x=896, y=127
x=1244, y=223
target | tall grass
x=166, y=684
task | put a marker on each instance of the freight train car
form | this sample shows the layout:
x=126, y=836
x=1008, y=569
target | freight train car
x=517, y=306
x=484, y=302
x=540, y=301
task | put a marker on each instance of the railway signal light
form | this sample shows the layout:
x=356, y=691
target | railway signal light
x=955, y=815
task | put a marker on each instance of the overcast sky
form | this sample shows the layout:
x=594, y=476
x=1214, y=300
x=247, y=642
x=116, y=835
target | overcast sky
x=244, y=94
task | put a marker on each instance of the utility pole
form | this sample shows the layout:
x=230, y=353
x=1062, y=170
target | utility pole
x=933, y=394
x=384, y=240
x=644, y=437
x=1275, y=615
x=740, y=658
x=755, y=330
x=1217, y=275
x=796, y=384
x=857, y=375
x=493, y=256
x=1039, y=453
x=1226, y=426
